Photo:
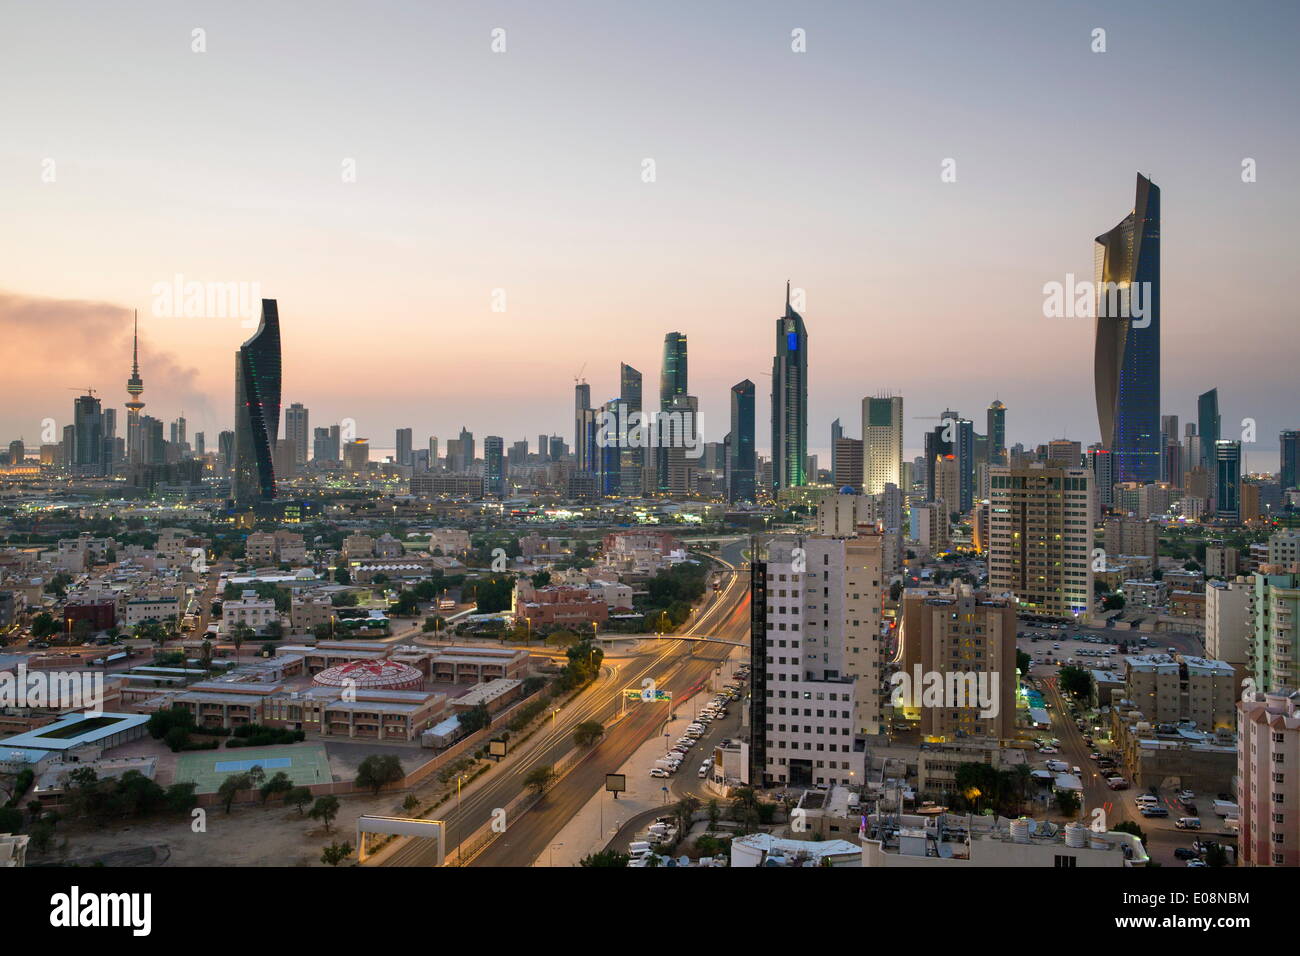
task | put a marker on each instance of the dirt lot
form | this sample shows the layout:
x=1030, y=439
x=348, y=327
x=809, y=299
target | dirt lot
x=250, y=836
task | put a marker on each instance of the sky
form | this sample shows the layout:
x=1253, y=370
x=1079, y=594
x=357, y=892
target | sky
x=481, y=178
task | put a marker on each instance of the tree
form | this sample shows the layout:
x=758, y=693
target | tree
x=539, y=779
x=1023, y=662
x=231, y=786
x=1067, y=801
x=256, y=775
x=1128, y=826
x=715, y=814
x=181, y=798
x=475, y=719
x=684, y=811
x=44, y=625
x=378, y=770
x=335, y=853
x=11, y=820
x=410, y=803
x=1216, y=855
x=407, y=604
x=298, y=797
x=1075, y=681
x=541, y=579
x=606, y=858
x=588, y=732
x=280, y=783
x=325, y=810
x=240, y=633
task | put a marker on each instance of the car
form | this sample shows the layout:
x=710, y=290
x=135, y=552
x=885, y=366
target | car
x=1076, y=771
x=1146, y=798
x=1184, y=853
x=1197, y=863
x=1048, y=750
x=1188, y=823
x=702, y=772
x=1186, y=796
x=659, y=772
x=1152, y=810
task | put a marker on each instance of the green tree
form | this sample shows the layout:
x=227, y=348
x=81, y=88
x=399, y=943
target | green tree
x=539, y=779
x=1067, y=801
x=335, y=853
x=280, y=783
x=378, y=770
x=475, y=718
x=1075, y=681
x=606, y=858
x=231, y=786
x=298, y=797
x=1128, y=826
x=325, y=810
x=588, y=732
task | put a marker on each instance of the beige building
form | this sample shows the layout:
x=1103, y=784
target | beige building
x=1125, y=536
x=1040, y=538
x=960, y=644
x=1169, y=689
x=1227, y=622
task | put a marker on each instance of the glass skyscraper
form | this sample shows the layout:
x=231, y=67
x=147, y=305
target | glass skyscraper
x=1289, y=467
x=672, y=393
x=740, y=451
x=1127, y=358
x=1227, y=481
x=790, y=400
x=1207, y=418
x=257, y=409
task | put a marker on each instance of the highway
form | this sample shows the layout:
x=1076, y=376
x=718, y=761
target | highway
x=677, y=666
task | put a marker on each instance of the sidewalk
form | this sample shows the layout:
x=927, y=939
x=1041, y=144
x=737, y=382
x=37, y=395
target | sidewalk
x=602, y=816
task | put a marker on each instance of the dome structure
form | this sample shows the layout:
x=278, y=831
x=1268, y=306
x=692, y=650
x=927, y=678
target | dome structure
x=371, y=675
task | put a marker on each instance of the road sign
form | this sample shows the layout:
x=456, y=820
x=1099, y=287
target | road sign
x=615, y=783
x=648, y=696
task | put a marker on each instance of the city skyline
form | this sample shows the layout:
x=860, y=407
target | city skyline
x=865, y=285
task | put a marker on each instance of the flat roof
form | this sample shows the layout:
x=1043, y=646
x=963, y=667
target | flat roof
x=61, y=735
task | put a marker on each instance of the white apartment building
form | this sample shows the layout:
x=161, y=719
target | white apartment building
x=821, y=687
x=1284, y=547
x=1228, y=631
x=248, y=609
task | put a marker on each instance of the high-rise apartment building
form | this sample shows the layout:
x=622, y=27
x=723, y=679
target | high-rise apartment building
x=1274, y=614
x=1127, y=356
x=1268, y=762
x=1040, y=538
x=849, y=467
x=296, y=430
x=963, y=643
x=816, y=652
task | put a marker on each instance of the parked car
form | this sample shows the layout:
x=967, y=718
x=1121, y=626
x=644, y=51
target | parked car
x=1188, y=823
x=1184, y=853
x=1153, y=810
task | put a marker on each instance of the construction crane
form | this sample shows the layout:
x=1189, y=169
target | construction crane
x=74, y=388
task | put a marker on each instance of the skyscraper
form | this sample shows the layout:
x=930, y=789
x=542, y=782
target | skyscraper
x=790, y=400
x=882, y=443
x=997, y=433
x=1289, y=467
x=296, y=431
x=1227, y=481
x=88, y=437
x=134, y=388
x=672, y=388
x=741, y=450
x=494, y=471
x=257, y=409
x=405, y=438
x=1207, y=419
x=584, y=434
x=632, y=460
x=1127, y=356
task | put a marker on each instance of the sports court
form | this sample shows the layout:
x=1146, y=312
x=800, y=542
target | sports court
x=304, y=764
